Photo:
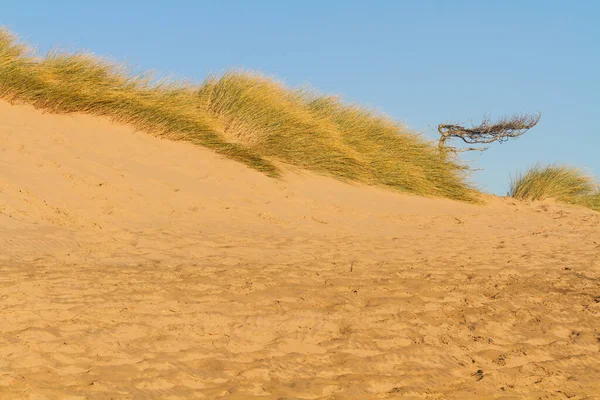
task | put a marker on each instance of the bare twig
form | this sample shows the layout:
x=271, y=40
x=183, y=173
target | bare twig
x=488, y=131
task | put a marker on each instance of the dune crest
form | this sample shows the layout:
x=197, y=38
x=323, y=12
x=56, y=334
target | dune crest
x=136, y=267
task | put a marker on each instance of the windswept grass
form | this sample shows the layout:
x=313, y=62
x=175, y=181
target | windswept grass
x=246, y=117
x=82, y=83
x=590, y=201
x=563, y=183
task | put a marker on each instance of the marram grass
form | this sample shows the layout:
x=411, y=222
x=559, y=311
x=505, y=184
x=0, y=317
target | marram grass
x=559, y=182
x=243, y=116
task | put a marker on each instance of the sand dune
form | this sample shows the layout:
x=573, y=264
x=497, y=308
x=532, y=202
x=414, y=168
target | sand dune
x=134, y=267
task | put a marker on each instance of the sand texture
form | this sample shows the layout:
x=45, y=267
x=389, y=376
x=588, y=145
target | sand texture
x=134, y=267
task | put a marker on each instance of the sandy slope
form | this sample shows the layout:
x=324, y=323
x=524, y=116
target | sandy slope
x=134, y=267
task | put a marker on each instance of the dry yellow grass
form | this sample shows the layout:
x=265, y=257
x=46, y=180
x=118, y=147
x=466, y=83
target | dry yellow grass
x=563, y=183
x=243, y=116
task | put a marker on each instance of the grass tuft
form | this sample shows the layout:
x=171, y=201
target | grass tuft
x=244, y=116
x=559, y=182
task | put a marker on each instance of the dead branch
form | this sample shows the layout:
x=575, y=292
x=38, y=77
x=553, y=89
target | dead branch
x=489, y=132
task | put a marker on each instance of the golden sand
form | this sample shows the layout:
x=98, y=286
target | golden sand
x=139, y=268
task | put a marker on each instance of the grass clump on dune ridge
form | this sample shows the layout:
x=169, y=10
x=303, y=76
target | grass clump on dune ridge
x=243, y=116
x=562, y=183
x=82, y=83
x=263, y=115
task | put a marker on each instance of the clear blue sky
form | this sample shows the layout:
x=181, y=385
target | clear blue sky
x=422, y=62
